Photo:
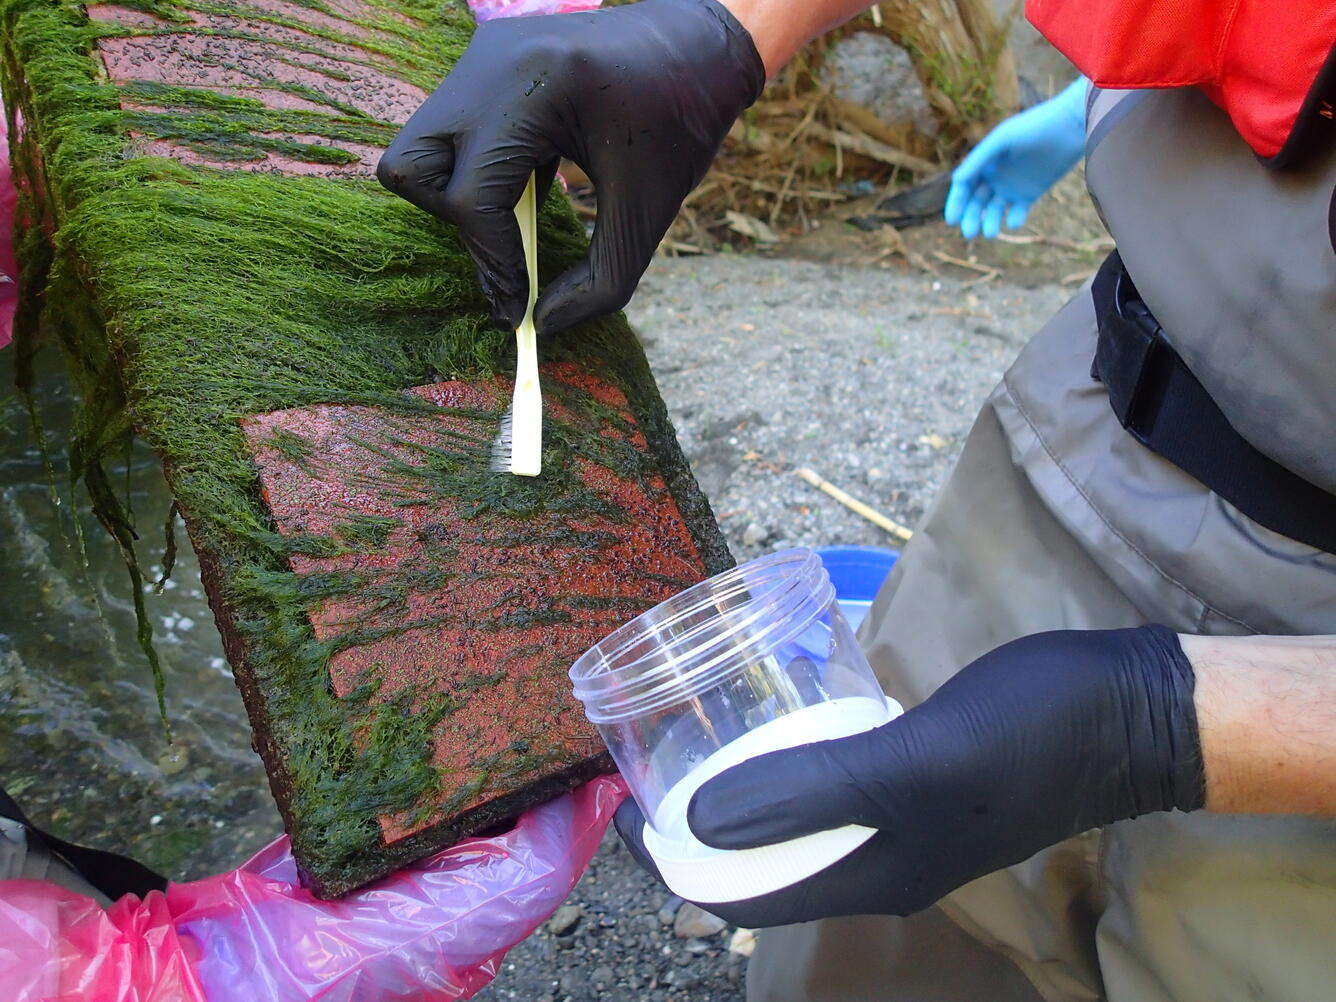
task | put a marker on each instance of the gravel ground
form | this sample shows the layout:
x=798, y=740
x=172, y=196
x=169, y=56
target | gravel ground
x=871, y=377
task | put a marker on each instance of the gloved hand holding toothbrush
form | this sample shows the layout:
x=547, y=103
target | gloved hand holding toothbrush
x=640, y=97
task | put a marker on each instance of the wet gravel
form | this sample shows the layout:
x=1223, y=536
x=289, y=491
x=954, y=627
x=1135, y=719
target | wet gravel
x=620, y=937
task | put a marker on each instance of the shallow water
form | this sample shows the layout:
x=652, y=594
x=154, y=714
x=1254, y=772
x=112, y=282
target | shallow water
x=81, y=745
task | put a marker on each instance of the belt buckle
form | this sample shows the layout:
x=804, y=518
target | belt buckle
x=1127, y=360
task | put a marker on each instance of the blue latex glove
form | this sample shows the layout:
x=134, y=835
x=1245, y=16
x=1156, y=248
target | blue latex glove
x=1016, y=163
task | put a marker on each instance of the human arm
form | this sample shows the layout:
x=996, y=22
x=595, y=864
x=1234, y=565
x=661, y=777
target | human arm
x=1266, y=709
x=1038, y=740
x=780, y=27
x=640, y=96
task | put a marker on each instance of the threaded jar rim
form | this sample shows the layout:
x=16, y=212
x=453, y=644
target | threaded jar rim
x=691, y=642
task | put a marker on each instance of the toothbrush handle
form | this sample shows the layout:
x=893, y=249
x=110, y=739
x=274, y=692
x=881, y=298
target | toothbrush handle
x=527, y=405
x=526, y=214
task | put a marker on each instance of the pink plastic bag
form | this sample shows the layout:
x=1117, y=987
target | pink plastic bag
x=485, y=10
x=59, y=946
x=434, y=931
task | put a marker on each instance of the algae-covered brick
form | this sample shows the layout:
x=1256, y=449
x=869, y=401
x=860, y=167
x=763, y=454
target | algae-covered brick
x=205, y=237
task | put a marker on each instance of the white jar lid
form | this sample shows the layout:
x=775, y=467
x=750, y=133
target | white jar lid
x=701, y=873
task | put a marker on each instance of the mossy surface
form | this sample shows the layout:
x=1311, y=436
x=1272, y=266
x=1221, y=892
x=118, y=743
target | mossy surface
x=187, y=298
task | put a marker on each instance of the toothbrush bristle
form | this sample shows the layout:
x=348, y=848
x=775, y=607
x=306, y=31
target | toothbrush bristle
x=503, y=445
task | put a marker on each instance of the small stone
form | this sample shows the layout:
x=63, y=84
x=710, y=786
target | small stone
x=565, y=919
x=694, y=922
x=755, y=534
x=681, y=978
x=572, y=985
x=870, y=70
x=742, y=942
x=695, y=946
x=668, y=910
x=603, y=977
x=173, y=760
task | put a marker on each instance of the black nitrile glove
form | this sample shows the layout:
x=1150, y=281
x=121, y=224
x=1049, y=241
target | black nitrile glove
x=1038, y=740
x=639, y=96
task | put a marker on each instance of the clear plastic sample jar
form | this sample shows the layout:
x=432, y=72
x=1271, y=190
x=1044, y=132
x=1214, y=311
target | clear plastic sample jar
x=753, y=660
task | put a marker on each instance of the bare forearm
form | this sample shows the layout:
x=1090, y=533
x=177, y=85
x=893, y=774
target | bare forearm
x=1266, y=709
x=781, y=27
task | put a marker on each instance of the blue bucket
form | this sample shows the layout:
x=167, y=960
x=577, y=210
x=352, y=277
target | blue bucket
x=857, y=572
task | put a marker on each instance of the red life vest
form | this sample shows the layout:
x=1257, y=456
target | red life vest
x=1270, y=64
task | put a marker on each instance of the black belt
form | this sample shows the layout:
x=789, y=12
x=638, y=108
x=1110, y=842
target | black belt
x=1160, y=402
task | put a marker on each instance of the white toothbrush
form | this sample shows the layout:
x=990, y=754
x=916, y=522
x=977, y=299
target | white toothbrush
x=518, y=447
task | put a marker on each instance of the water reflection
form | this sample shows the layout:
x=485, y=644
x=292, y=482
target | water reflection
x=81, y=746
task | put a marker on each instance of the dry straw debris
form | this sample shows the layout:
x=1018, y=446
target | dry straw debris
x=801, y=149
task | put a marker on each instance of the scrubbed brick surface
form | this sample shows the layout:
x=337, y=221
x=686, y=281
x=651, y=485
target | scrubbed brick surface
x=471, y=604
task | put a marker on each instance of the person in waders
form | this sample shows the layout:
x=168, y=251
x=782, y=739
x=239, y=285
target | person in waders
x=1113, y=630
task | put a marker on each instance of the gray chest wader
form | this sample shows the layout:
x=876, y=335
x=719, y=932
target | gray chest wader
x=1056, y=517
